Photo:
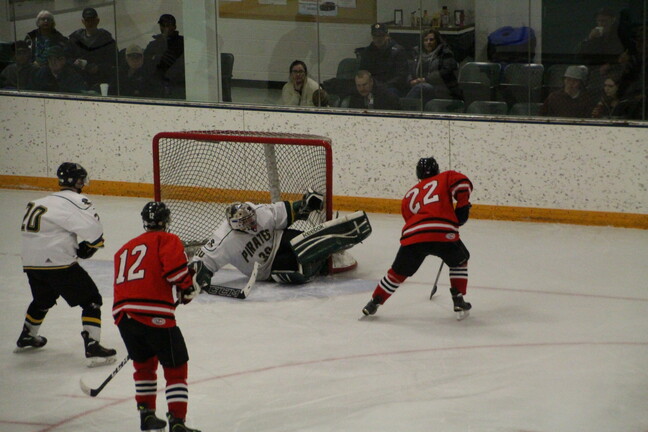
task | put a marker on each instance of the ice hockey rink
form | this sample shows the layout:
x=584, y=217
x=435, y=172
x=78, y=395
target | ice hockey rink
x=557, y=340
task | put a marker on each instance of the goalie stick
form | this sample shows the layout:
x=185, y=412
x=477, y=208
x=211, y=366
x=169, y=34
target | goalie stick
x=434, y=288
x=92, y=392
x=239, y=293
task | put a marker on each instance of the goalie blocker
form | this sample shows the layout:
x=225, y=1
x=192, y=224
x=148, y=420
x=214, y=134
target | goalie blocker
x=318, y=243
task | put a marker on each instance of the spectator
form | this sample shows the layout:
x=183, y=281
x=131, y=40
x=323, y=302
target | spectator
x=58, y=75
x=435, y=70
x=386, y=60
x=320, y=98
x=633, y=78
x=300, y=87
x=372, y=94
x=44, y=37
x=18, y=75
x=93, y=50
x=133, y=79
x=572, y=100
x=608, y=106
x=603, y=44
x=164, y=58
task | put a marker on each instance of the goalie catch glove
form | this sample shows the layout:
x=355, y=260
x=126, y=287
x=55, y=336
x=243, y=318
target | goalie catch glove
x=462, y=214
x=85, y=251
x=311, y=201
x=201, y=275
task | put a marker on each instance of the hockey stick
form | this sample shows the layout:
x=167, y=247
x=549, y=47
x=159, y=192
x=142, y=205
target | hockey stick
x=94, y=392
x=239, y=293
x=434, y=288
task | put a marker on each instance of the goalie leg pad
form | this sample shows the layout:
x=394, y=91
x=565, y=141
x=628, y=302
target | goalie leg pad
x=291, y=277
x=318, y=243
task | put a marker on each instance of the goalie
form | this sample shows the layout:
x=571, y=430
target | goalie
x=259, y=233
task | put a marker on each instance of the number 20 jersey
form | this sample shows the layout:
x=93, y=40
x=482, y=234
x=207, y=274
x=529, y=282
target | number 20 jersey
x=146, y=270
x=428, y=208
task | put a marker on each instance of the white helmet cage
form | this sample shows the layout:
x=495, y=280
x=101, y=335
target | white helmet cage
x=241, y=216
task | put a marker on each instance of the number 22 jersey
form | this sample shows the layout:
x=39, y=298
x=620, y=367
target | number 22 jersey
x=428, y=208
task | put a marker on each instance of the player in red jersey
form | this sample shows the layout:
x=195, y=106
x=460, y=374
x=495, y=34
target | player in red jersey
x=431, y=228
x=147, y=269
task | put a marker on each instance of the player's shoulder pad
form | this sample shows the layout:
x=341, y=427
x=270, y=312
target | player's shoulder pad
x=78, y=200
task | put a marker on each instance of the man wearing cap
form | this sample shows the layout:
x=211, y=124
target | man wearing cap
x=44, y=37
x=133, y=80
x=572, y=100
x=58, y=75
x=386, y=60
x=93, y=50
x=164, y=58
x=17, y=75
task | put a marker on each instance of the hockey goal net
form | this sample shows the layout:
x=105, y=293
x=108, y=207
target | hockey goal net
x=198, y=173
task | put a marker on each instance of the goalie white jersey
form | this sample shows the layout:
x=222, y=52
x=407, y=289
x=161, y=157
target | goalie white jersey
x=53, y=227
x=243, y=249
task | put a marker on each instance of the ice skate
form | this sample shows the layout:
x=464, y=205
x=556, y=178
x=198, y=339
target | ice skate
x=461, y=307
x=371, y=308
x=177, y=425
x=26, y=341
x=96, y=355
x=148, y=421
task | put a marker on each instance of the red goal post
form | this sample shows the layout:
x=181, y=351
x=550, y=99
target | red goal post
x=198, y=173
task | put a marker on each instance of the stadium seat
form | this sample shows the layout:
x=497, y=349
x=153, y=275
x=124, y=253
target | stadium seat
x=526, y=108
x=488, y=107
x=445, y=106
x=478, y=80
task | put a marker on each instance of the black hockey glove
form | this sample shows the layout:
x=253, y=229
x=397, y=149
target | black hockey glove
x=201, y=275
x=311, y=201
x=85, y=251
x=462, y=213
x=186, y=295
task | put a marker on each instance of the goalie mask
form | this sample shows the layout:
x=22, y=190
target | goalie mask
x=69, y=173
x=241, y=217
x=156, y=216
x=426, y=167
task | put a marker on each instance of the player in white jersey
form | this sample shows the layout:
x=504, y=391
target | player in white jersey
x=56, y=231
x=259, y=233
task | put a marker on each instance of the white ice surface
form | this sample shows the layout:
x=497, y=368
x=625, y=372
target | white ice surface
x=557, y=341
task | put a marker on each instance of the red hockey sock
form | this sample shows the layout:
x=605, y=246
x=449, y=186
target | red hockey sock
x=459, y=278
x=388, y=285
x=146, y=382
x=177, y=392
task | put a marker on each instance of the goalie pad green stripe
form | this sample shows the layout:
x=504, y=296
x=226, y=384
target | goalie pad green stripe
x=320, y=242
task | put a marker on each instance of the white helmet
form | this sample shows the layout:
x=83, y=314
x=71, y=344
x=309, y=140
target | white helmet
x=241, y=216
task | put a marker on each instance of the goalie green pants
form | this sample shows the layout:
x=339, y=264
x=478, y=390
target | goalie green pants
x=286, y=268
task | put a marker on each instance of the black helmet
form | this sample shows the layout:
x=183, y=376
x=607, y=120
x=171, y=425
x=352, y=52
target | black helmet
x=426, y=167
x=156, y=216
x=69, y=173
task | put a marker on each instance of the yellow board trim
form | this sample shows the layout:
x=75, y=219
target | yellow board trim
x=346, y=203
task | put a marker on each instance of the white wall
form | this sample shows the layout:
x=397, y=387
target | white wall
x=385, y=8
x=577, y=167
x=493, y=14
